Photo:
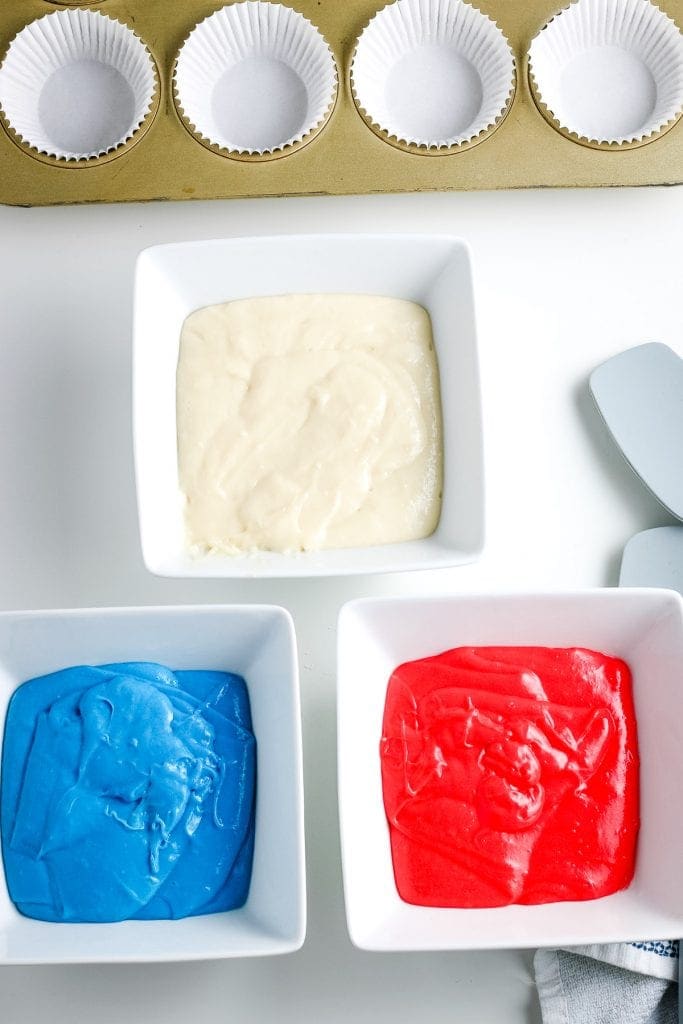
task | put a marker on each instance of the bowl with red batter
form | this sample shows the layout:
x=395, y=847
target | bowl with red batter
x=509, y=769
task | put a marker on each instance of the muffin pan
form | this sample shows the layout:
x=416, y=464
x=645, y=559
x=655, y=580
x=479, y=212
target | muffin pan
x=319, y=97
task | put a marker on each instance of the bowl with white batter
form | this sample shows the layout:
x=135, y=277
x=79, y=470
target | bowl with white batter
x=307, y=406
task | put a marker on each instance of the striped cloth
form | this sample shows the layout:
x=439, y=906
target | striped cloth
x=629, y=983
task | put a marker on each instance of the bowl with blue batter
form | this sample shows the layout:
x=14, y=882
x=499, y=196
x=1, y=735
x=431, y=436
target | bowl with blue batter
x=151, y=788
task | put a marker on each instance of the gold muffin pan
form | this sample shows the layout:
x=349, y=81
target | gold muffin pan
x=348, y=155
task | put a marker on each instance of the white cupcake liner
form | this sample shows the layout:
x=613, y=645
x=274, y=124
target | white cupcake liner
x=76, y=84
x=434, y=73
x=609, y=71
x=254, y=78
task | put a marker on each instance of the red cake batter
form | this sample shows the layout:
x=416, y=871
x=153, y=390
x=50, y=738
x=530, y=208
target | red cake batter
x=510, y=775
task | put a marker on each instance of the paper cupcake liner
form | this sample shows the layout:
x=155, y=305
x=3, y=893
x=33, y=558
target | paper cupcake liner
x=609, y=71
x=255, y=78
x=76, y=84
x=434, y=73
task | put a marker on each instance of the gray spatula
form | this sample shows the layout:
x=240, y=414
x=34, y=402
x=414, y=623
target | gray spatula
x=654, y=558
x=639, y=394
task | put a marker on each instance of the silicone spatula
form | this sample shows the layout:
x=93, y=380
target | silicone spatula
x=654, y=558
x=639, y=394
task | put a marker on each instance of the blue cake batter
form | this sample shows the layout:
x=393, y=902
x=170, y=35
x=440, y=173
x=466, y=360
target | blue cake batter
x=127, y=792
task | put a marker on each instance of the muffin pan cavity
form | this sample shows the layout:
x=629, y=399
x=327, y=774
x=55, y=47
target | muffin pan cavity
x=255, y=78
x=609, y=72
x=76, y=85
x=432, y=73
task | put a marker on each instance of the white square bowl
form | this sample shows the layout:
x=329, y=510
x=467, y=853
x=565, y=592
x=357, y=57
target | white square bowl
x=256, y=641
x=174, y=280
x=645, y=628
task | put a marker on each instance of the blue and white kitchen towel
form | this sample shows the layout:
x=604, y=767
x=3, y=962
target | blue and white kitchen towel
x=622, y=983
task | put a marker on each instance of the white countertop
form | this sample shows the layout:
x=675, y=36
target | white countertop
x=563, y=281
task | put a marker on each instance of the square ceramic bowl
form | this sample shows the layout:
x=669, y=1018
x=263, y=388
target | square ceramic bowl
x=174, y=280
x=257, y=642
x=645, y=628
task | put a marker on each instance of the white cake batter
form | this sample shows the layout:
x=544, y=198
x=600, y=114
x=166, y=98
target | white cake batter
x=308, y=422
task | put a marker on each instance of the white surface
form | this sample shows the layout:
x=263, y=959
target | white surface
x=173, y=281
x=258, y=643
x=563, y=280
x=644, y=628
